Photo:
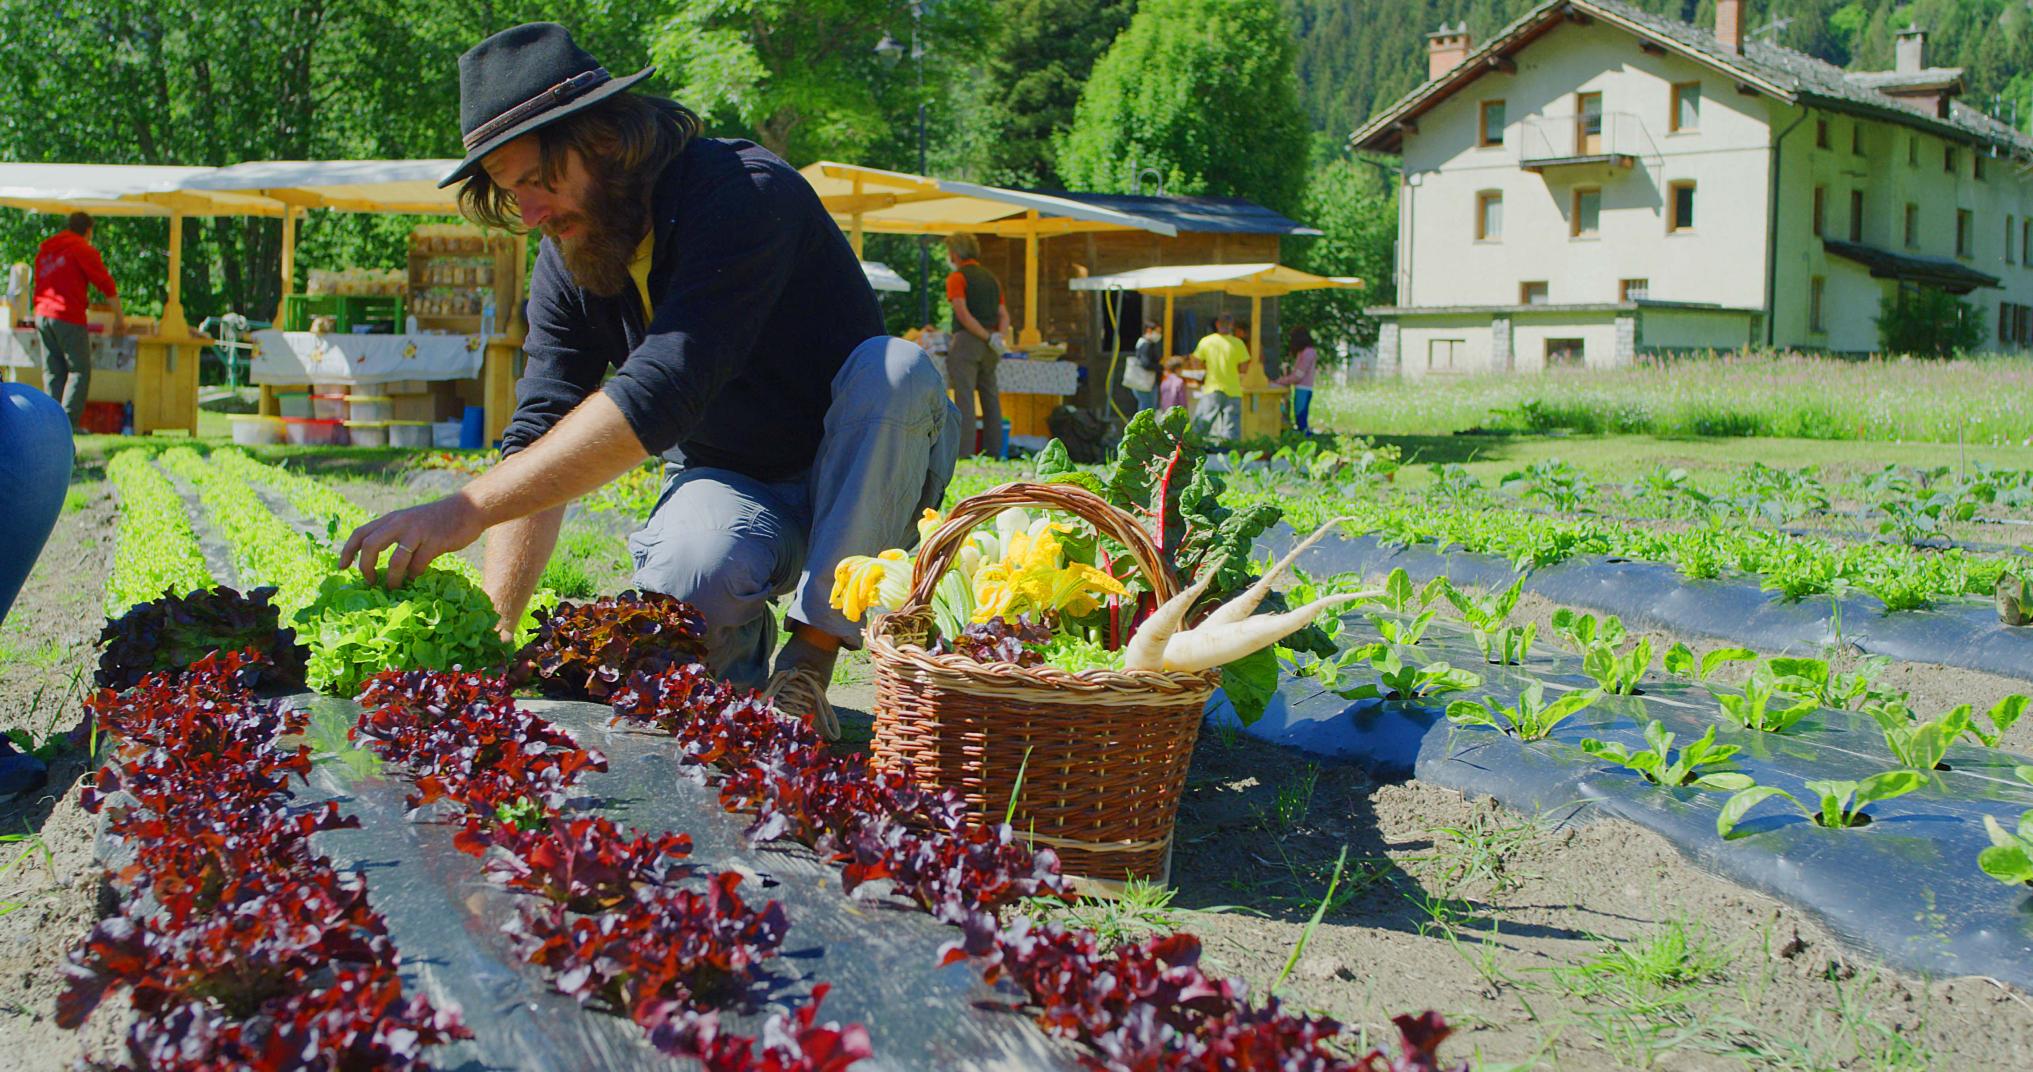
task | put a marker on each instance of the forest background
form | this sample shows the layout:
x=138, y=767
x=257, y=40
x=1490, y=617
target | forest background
x=1244, y=98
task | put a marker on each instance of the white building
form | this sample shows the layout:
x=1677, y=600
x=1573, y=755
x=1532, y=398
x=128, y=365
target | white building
x=1597, y=182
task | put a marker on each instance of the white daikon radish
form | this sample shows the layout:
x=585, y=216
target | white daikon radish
x=1211, y=644
x=1146, y=647
x=1244, y=605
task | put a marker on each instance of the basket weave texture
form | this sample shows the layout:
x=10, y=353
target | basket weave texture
x=1108, y=750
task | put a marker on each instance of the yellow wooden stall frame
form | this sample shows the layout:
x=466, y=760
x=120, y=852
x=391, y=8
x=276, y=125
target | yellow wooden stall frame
x=865, y=200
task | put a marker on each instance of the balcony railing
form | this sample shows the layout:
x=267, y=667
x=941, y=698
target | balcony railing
x=1615, y=138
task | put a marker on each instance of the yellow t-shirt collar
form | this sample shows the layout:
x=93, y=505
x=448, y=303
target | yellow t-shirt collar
x=638, y=270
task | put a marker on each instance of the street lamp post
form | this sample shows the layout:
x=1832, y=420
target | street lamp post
x=890, y=51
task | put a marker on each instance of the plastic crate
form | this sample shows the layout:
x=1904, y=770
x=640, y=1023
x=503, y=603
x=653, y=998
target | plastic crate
x=298, y=310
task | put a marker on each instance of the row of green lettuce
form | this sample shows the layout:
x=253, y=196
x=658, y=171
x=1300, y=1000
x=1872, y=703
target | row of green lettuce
x=1797, y=567
x=439, y=620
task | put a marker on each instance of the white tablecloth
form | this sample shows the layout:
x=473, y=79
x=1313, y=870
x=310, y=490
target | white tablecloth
x=300, y=357
x=22, y=348
x=1014, y=377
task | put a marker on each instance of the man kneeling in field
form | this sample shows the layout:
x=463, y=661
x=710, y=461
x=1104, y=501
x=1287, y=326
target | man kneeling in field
x=746, y=347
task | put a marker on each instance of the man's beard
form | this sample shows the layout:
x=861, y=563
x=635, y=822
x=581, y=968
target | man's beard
x=611, y=228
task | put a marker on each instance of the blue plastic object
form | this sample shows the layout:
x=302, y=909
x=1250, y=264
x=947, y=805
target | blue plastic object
x=1002, y=448
x=473, y=429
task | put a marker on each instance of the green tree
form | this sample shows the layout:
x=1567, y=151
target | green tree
x=1203, y=90
x=802, y=77
x=1042, y=55
x=1928, y=322
x=1353, y=201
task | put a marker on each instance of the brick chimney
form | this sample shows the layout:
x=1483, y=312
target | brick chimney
x=1910, y=51
x=1729, y=24
x=1446, y=47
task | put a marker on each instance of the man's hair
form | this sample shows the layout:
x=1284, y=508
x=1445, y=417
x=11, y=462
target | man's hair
x=1224, y=318
x=963, y=246
x=79, y=223
x=625, y=142
x=1150, y=325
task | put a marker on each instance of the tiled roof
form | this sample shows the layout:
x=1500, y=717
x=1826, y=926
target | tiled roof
x=1204, y=215
x=1778, y=71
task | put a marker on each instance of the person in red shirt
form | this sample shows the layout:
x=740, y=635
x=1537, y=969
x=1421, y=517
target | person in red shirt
x=65, y=265
x=971, y=358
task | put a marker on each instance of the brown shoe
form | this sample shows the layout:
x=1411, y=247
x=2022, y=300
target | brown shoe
x=799, y=692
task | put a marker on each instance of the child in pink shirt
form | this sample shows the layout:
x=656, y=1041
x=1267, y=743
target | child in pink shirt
x=1173, y=390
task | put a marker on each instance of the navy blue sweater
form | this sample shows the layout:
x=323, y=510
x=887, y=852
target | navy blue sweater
x=758, y=298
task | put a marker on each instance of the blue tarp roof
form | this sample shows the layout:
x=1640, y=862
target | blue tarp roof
x=1204, y=215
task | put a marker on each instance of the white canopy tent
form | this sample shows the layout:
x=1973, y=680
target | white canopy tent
x=1254, y=281
x=883, y=277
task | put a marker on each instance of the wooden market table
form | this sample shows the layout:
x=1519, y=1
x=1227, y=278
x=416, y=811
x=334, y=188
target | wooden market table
x=1029, y=391
x=161, y=381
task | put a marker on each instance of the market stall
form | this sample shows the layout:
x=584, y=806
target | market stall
x=1263, y=403
x=417, y=345
x=155, y=367
x=865, y=200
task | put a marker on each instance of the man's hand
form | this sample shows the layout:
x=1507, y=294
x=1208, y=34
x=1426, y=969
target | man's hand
x=418, y=535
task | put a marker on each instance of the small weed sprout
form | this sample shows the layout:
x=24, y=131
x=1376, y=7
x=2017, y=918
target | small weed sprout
x=1398, y=681
x=1660, y=766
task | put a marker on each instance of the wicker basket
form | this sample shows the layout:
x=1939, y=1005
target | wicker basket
x=1108, y=750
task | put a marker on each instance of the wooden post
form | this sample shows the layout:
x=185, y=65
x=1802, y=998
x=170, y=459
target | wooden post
x=288, y=259
x=173, y=324
x=1256, y=330
x=1030, y=336
x=854, y=235
x=498, y=384
x=1169, y=350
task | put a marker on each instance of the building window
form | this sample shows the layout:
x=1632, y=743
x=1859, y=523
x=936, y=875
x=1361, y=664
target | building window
x=1588, y=124
x=1492, y=123
x=1820, y=212
x=1912, y=225
x=2005, y=321
x=1630, y=290
x=1856, y=139
x=1948, y=159
x=1965, y=233
x=1566, y=353
x=1976, y=162
x=1489, y=216
x=1686, y=107
x=1586, y=218
x=1680, y=206
x=2025, y=238
x=1856, y=215
x=1441, y=354
x=1533, y=293
x=1913, y=150
x=1815, y=287
x=1821, y=133
x=2011, y=238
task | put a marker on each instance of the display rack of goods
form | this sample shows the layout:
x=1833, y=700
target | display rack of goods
x=458, y=275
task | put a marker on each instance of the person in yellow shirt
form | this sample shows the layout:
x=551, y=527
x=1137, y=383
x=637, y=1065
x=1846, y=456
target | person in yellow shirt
x=1225, y=357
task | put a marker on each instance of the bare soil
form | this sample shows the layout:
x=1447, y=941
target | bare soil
x=1550, y=941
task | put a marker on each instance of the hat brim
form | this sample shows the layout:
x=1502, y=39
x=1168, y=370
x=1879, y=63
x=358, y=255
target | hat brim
x=537, y=122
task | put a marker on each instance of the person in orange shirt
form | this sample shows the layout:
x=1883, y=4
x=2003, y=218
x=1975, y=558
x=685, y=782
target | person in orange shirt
x=65, y=265
x=978, y=315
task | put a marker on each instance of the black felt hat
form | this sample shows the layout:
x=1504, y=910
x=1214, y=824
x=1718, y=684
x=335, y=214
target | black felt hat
x=521, y=79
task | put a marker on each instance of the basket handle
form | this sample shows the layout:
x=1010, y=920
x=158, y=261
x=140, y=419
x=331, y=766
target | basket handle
x=936, y=554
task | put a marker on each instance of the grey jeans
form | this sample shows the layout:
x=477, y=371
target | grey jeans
x=971, y=365
x=1219, y=415
x=730, y=544
x=66, y=363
